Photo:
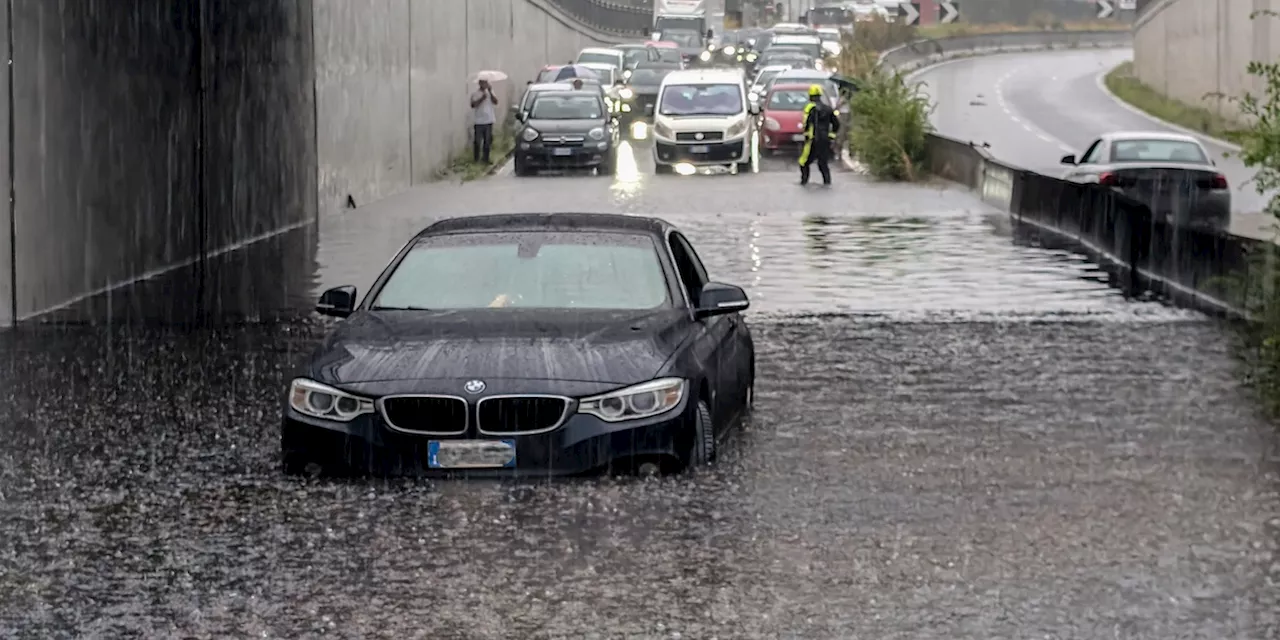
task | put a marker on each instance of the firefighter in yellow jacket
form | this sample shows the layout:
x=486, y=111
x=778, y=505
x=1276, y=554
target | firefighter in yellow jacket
x=820, y=128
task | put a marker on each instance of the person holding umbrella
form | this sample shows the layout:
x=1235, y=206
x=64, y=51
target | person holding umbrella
x=482, y=103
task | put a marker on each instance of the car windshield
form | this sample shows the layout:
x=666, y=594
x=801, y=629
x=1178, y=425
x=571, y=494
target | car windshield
x=636, y=56
x=701, y=100
x=788, y=100
x=649, y=76
x=562, y=107
x=546, y=270
x=685, y=39
x=811, y=46
x=600, y=57
x=767, y=75
x=1157, y=151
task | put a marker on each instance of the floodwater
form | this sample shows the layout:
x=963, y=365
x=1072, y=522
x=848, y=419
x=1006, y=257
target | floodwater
x=956, y=437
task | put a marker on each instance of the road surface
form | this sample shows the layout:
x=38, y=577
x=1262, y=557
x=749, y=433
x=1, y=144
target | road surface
x=1033, y=108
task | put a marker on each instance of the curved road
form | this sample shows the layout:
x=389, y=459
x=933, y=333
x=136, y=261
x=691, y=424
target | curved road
x=1033, y=108
x=956, y=436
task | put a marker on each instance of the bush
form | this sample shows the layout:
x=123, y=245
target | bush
x=890, y=122
x=879, y=34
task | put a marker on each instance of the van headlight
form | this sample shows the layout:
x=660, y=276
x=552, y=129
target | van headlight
x=661, y=130
x=643, y=400
x=736, y=129
x=530, y=134
x=626, y=93
x=311, y=398
x=705, y=56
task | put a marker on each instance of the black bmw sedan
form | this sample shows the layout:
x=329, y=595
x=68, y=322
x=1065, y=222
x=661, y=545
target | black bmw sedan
x=526, y=344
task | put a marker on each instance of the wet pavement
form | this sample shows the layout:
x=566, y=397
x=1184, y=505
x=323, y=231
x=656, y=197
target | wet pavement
x=956, y=436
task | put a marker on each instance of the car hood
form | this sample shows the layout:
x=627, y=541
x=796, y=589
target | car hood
x=565, y=126
x=788, y=119
x=613, y=347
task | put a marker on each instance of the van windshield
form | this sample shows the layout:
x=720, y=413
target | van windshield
x=701, y=100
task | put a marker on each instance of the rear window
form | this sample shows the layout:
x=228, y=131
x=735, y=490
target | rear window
x=766, y=76
x=788, y=100
x=545, y=270
x=1157, y=151
x=648, y=76
x=602, y=58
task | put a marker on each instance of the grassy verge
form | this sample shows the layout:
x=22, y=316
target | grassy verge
x=462, y=167
x=1130, y=89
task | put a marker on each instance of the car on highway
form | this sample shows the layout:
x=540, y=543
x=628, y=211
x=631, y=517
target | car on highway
x=810, y=45
x=526, y=345
x=831, y=89
x=1171, y=173
x=566, y=130
x=639, y=94
x=784, y=57
x=831, y=40
x=634, y=54
x=763, y=76
x=782, y=115
x=667, y=51
x=531, y=91
x=702, y=119
x=602, y=56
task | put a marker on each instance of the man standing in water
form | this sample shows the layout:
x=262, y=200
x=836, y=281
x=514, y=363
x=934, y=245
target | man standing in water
x=820, y=128
x=482, y=103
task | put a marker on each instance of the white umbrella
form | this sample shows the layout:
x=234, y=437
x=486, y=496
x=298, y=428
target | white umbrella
x=491, y=76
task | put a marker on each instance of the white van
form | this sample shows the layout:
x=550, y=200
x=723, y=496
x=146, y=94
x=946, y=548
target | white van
x=615, y=58
x=702, y=118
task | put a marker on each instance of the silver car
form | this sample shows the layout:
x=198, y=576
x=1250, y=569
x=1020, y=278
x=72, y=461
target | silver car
x=1171, y=173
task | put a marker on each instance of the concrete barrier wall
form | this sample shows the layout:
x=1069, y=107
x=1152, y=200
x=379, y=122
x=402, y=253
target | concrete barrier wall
x=1188, y=49
x=392, y=82
x=917, y=55
x=150, y=134
x=6, y=219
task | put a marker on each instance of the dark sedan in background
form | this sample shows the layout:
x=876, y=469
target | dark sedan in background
x=566, y=130
x=526, y=345
x=639, y=92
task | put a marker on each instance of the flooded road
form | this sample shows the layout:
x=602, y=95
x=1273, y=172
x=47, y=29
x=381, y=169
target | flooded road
x=955, y=437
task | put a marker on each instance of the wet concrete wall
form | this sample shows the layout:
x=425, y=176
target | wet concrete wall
x=6, y=220
x=1188, y=49
x=392, y=82
x=153, y=133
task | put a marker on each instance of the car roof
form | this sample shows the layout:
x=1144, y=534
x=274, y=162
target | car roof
x=696, y=76
x=570, y=91
x=609, y=50
x=790, y=86
x=551, y=86
x=775, y=67
x=784, y=38
x=802, y=73
x=548, y=222
x=1150, y=135
x=659, y=65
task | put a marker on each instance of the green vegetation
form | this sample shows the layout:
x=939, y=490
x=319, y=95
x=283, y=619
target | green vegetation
x=1130, y=89
x=889, y=126
x=462, y=167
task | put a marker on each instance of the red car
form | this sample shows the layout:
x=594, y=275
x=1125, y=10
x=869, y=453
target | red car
x=782, y=119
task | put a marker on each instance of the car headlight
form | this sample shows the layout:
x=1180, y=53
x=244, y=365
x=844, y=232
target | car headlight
x=772, y=125
x=663, y=131
x=530, y=134
x=728, y=51
x=626, y=74
x=751, y=57
x=737, y=129
x=644, y=400
x=311, y=398
x=596, y=133
x=704, y=56
x=626, y=93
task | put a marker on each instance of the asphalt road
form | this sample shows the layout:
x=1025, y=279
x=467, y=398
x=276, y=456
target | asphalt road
x=1033, y=108
x=956, y=437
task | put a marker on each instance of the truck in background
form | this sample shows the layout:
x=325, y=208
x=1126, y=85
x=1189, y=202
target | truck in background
x=679, y=15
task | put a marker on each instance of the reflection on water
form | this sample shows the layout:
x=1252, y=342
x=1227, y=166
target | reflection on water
x=865, y=240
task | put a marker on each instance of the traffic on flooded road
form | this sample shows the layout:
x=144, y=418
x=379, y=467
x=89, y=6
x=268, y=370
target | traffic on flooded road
x=645, y=394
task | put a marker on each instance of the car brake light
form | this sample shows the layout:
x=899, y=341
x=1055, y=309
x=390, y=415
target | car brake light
x=1218, y=181
x=1108, y=179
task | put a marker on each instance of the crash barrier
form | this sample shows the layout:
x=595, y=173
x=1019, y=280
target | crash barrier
x=1201, y=268
x=626, y=19
x=922, y=53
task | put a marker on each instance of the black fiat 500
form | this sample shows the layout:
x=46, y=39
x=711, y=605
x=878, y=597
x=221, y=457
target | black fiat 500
x=566, y=130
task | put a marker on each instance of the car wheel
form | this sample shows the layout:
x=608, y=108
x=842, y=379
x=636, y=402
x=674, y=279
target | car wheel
x=520, y=168
x=704, y=438
x=608, y=167
x=662, y=169
x=744, y=167
x=296, y=461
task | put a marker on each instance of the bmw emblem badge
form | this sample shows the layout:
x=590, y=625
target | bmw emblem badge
x=474, y=386
x=698, y=136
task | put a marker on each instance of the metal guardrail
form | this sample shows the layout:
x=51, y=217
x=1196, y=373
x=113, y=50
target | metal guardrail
x=628, y=20
x=1145, y=253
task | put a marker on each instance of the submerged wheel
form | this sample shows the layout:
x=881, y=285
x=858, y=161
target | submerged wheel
x=704, y=438
x=662, y=169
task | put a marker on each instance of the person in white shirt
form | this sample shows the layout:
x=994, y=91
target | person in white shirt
x=482, y=103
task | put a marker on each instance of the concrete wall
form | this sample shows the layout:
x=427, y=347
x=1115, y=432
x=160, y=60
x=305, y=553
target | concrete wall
x=1188, y=49
x=392, y=82
x=6, y=219
x=151, y=133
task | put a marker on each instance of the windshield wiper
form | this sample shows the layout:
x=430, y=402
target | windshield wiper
x=382, y=308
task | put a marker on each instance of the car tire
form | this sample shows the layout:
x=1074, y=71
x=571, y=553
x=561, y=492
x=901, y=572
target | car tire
x=295, y=461
x=662, y=169
x=520, y=168
x=743, y=168
x=607, y=168
x=704, y=438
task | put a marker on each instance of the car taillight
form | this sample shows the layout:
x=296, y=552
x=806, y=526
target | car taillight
x=1108, y=179
x=1218, y=181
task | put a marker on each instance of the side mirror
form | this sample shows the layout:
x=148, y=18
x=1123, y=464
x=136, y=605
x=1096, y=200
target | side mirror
x=711, y=34
x=719, y=299
x=338, y=302
x=1069, y=159
x=519, y=114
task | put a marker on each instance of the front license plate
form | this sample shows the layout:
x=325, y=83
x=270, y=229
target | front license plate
x=799, y=137
x=471, y=454
x=563, y=152
x=699, y=148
